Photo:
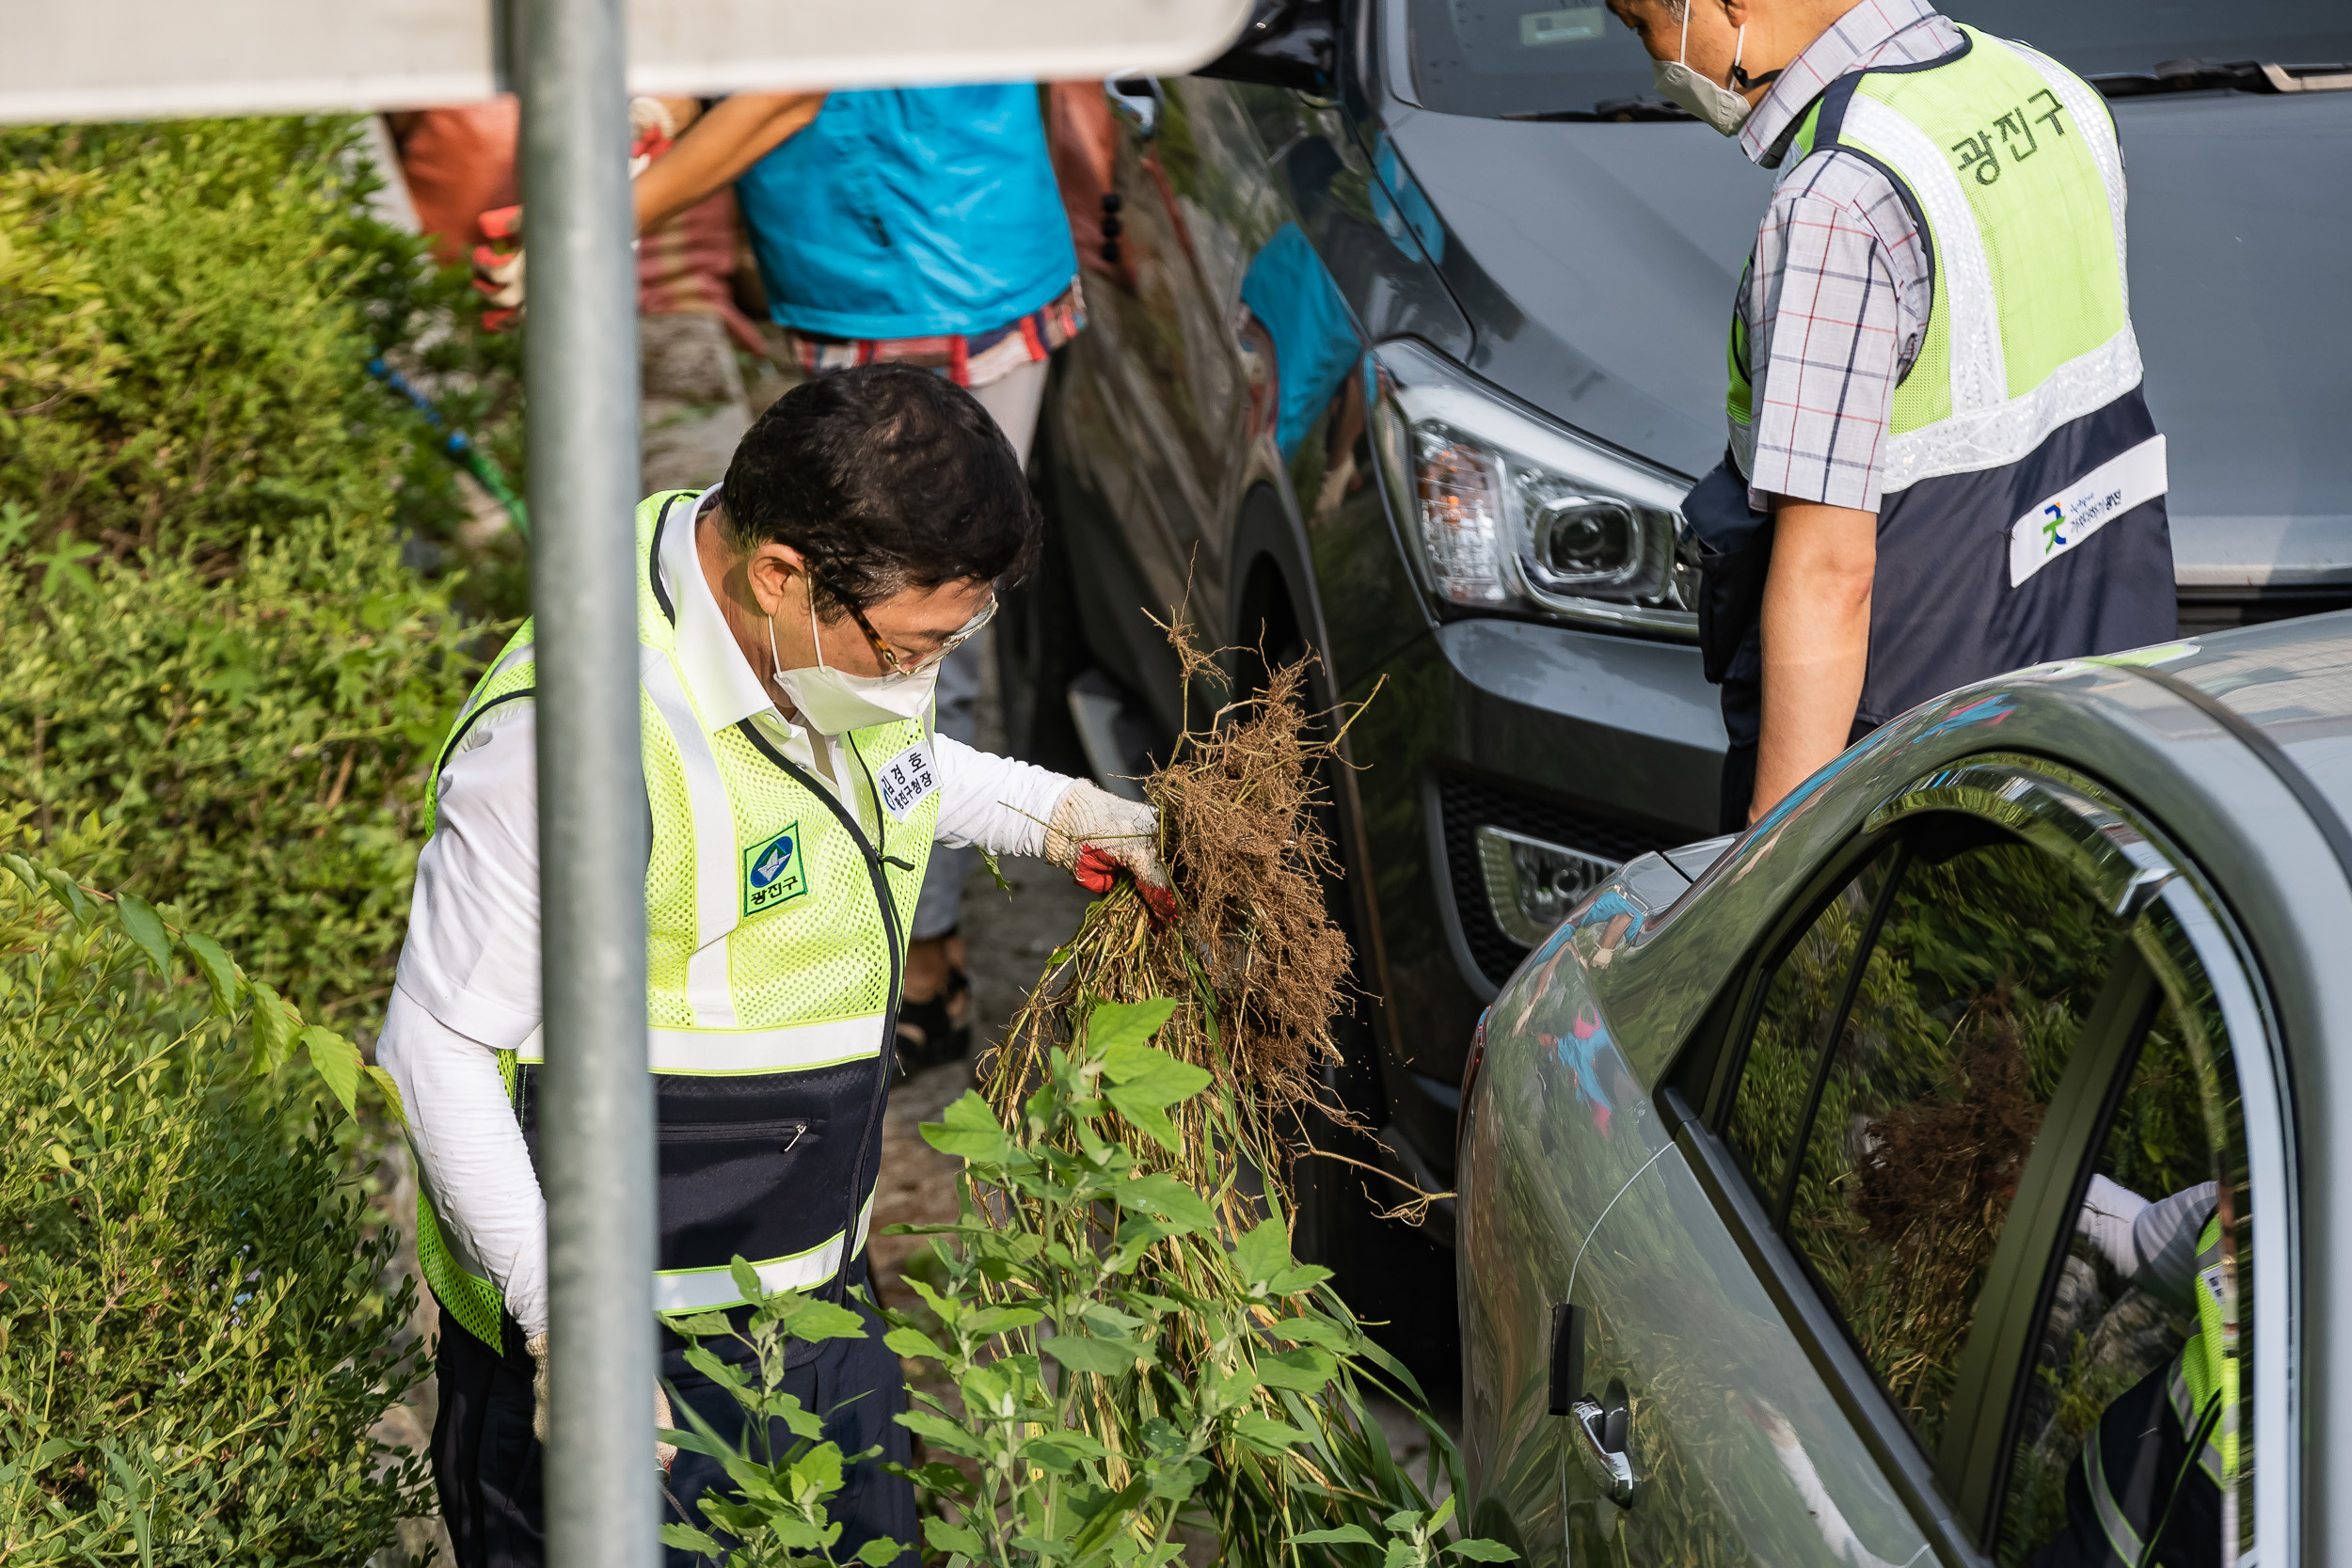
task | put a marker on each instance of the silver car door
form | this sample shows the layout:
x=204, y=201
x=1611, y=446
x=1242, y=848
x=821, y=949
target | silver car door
x=1697, y=1428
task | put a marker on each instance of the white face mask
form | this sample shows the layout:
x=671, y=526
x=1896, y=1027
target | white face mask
x=831, y=702
x=1720, y=107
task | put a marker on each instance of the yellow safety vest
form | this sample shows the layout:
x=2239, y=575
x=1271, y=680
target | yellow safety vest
x=777, y=919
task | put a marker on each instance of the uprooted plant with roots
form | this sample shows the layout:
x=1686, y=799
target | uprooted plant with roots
x=1252, y=960
x=1137, y=1358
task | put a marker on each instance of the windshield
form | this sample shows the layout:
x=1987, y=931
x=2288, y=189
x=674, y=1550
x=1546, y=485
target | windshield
x=1506, y=58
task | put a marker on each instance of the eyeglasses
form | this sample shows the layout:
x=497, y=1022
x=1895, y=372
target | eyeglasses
x=889, y=656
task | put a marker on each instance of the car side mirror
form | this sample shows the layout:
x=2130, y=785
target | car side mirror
x=1287, y=43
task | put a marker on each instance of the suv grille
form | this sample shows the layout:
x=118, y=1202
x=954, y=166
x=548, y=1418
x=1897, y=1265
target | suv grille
x=1466, y=805
x=2212, y=609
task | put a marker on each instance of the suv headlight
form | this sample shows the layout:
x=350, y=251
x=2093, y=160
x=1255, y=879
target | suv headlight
x=1505, y=510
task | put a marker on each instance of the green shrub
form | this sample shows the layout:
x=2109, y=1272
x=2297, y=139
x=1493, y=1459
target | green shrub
x=209, y=629
x=193, y=1343
x=186, y=315
x=259, y=740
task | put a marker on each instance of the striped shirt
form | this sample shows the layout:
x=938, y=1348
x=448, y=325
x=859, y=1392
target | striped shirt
x=1835, y=297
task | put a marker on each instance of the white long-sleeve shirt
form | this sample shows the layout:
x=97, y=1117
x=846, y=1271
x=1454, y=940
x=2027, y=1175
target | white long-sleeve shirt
x=468, y=986
x=2153, y=1245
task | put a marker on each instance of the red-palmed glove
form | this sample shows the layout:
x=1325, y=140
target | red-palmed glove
x=498, y=267
x=1096, y=836
x=652, y=130
x=498, y=271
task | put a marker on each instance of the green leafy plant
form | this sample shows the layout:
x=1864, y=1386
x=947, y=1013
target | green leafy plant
x=212, y=629
x=193, y=1342
x=778, y=1516
x=1117, y=1357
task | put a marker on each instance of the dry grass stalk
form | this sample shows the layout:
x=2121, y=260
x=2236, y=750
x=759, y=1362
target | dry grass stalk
x=1254, y=962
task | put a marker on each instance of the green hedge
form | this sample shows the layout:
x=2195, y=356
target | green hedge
x=194, y=1341
x=212, y=629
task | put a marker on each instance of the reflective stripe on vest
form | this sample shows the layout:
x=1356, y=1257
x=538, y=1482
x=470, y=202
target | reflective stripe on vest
x=2022, y=514
x=727, y=1053
x=704, y=1290
x=774, y=925
x=2115, y=1521
x=2029, y=327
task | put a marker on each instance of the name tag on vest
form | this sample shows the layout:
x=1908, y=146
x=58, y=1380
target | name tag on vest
x=906, y=779
x=2074, y=514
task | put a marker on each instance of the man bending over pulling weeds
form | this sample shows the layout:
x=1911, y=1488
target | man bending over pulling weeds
x=791, y=624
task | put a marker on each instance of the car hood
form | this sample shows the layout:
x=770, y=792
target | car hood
x=1596, y=263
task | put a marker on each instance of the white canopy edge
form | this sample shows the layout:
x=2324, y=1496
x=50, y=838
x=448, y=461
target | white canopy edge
x=141, y=60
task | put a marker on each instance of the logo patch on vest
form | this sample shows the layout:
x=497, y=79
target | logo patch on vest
x=772, y=872
x=2083, y=508
x=906, y=779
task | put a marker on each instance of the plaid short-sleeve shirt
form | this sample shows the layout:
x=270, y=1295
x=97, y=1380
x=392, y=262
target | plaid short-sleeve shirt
x=1835, y=298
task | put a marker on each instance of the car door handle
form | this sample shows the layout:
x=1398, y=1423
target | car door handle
x=1602, y=1427
x=1603, y=1434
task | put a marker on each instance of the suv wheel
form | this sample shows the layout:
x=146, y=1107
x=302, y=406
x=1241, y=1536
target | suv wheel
x=1391, y=1274
x=1039, y=646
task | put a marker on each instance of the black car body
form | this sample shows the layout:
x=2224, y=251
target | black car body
x=1353, y=242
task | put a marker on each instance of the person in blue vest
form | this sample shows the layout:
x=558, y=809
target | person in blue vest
x=1941, y=463
x=917, y=226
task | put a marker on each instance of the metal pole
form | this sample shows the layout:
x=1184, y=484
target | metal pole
x=597, y=1149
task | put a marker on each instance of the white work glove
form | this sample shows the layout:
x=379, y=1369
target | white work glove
x=652, y=129
x=498, y=267
x=1095, y=835
x=663, y=1453
x=2109, y=1211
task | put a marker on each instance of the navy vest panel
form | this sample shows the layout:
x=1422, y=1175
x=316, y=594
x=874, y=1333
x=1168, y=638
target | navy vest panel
x=754, y=1166
x=1942, y=610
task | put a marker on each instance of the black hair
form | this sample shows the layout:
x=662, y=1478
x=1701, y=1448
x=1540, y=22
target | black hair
x=886, y=478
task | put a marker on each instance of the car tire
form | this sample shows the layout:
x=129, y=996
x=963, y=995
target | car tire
x=1396, y=1280
x=1041, y=647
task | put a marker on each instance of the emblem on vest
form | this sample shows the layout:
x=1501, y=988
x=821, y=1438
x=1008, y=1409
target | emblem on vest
x=2058, y=523
x=772, y=872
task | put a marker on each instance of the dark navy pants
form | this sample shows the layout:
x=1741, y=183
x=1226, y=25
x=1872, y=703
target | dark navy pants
x=486, y=1464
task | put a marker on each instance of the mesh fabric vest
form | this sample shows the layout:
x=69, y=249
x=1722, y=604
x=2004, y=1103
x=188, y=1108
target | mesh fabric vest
x=776, y=920
x=2022, y=517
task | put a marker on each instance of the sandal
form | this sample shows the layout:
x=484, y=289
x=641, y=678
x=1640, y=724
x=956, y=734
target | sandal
x=928, y=1034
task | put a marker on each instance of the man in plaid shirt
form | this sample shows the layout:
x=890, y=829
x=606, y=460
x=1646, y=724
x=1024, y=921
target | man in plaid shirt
x=1830, y=321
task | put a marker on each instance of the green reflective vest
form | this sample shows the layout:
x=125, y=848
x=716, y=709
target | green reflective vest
x=2010, y=162
x=2021, y=517
x=776, y=924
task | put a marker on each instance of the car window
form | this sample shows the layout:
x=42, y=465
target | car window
x=1541, y=57
x=1802, y=1005
x=1967, y=1007
x=2138, y=1353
